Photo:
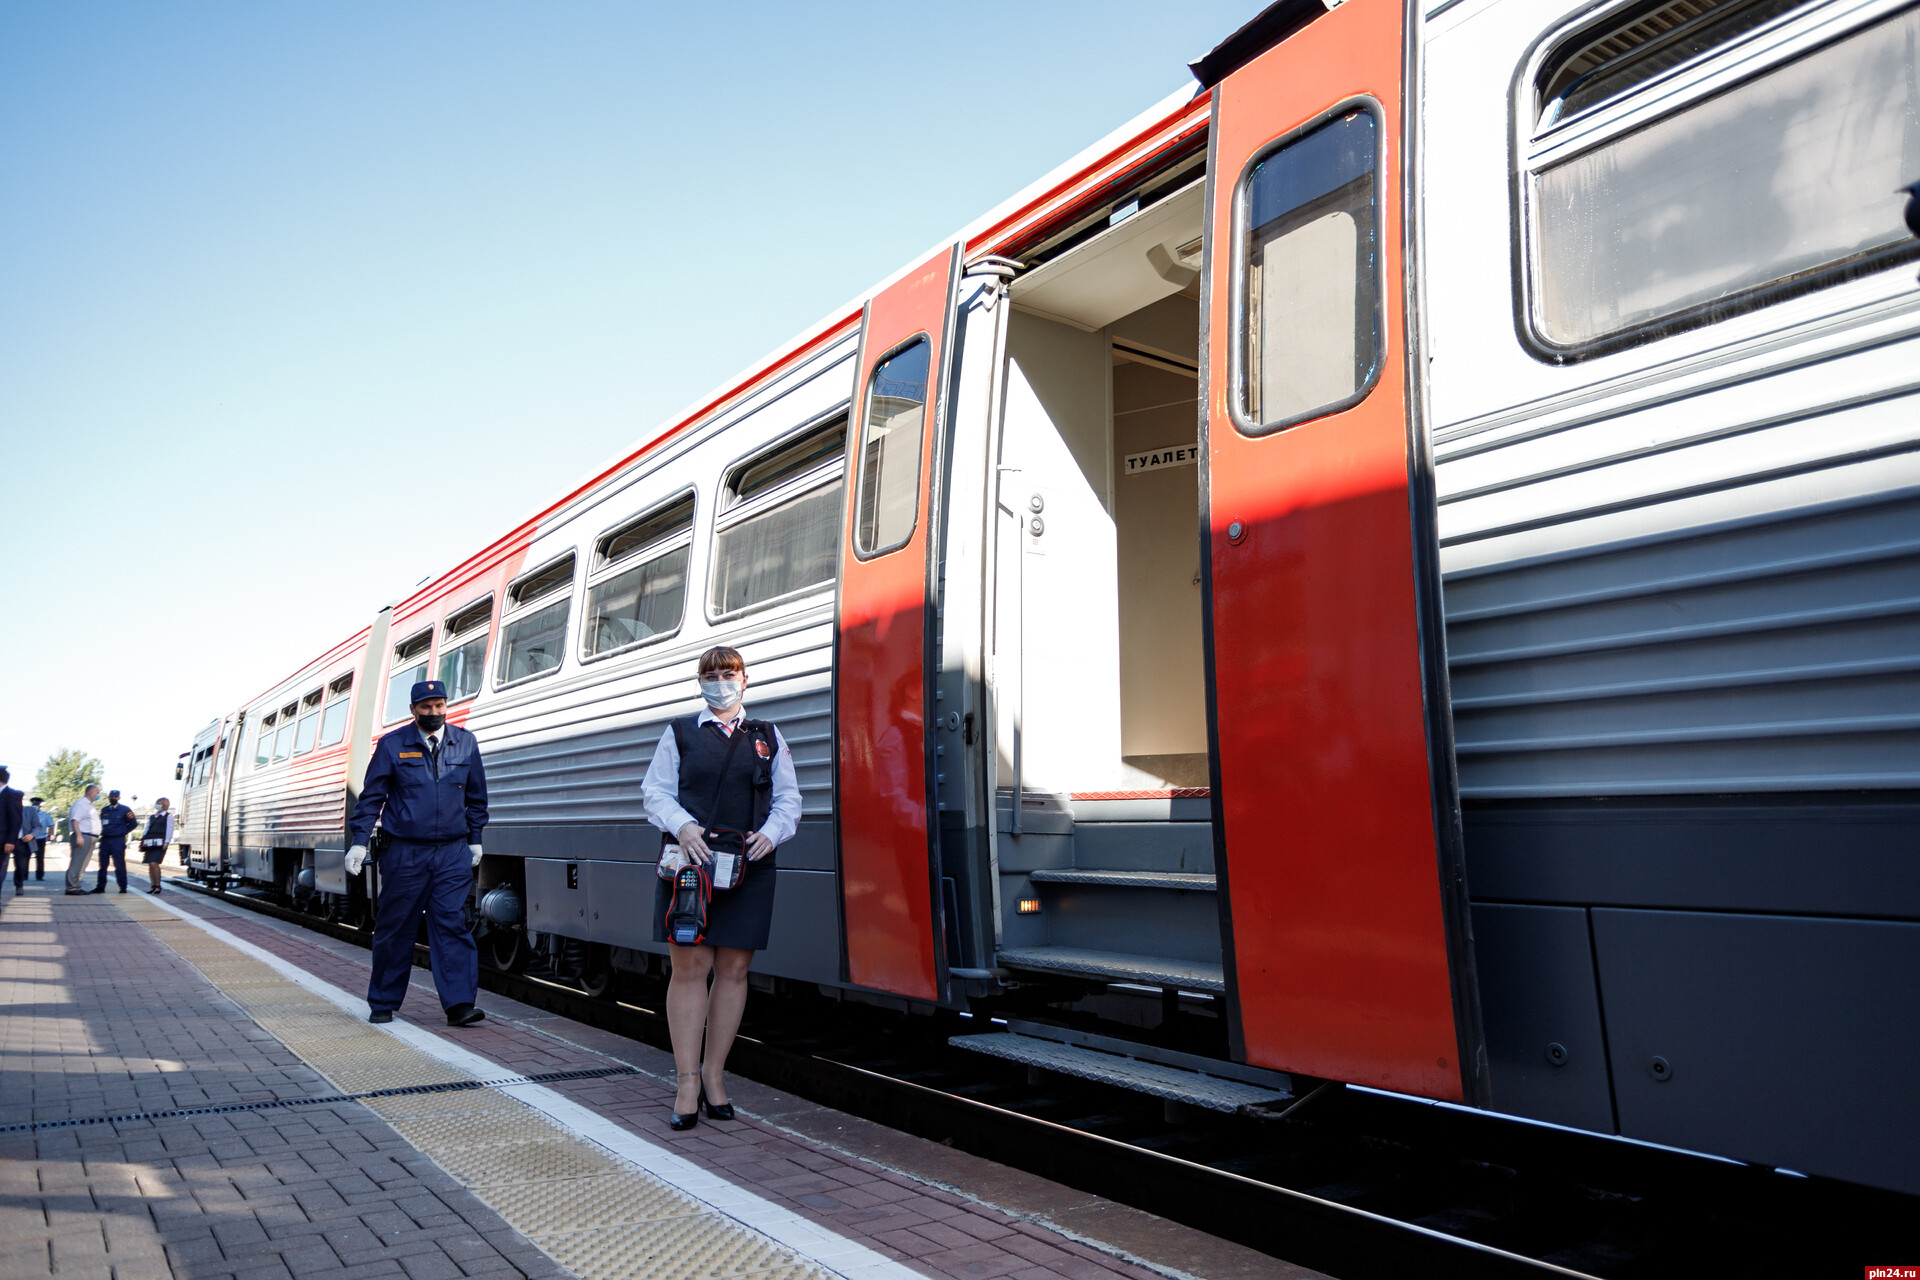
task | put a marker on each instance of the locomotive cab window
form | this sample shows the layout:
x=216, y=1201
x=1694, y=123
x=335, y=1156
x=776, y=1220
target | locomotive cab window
x=333, y=720
x=893, y=424
x=409, y=667
x=779, y=522
x=307, y=730
x=1690, y=160
x=533, y=635
x=1307, y=285
x=641, y=587
x=463, y=649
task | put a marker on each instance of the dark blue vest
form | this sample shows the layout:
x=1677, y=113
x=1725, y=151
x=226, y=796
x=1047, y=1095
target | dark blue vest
x=744, y=798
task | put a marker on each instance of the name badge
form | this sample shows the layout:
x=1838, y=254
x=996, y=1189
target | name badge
x=413, y=755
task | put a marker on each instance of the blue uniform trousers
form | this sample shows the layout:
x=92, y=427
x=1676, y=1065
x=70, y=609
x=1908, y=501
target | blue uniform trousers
x=433, y=878
x=113, y=849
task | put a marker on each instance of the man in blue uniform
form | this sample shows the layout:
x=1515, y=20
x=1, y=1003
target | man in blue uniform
x=427, y=790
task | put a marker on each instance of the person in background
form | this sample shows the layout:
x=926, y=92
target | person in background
x=38, y=828
x=12, y=818
x=83, y=832
x=116, y=824
x=153, y=844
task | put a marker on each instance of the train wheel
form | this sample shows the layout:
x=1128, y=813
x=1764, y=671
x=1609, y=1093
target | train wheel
x=505, y=950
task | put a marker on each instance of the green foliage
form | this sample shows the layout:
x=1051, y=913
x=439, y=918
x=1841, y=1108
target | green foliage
x=63, y=779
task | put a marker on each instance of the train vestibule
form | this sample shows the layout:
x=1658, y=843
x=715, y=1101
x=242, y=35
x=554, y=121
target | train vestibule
x=1103, y=844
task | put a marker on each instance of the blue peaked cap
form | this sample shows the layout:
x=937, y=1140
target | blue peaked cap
x=424, y=689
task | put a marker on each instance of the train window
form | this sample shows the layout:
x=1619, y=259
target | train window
x=780, y=533
x=532, y=641
x=893, y=426
x=645, y=598
x=333, y=721
x=1694, y=160
x=463, y=649
x=542, y=582
x=309, y=725
x=1307, y=289
x=409, y=667
x=803, y=456
x=263, y=743
x=283, y=732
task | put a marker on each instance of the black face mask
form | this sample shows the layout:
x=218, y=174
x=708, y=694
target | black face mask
x=430, y=724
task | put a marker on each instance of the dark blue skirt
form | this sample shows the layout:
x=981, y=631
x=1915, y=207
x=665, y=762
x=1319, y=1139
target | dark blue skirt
x=739, y=917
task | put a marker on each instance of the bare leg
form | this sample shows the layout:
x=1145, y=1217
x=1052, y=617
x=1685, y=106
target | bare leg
x=724, y=1007
x=686, y=1016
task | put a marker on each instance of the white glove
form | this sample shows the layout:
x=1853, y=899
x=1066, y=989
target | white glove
x=476, y=853
x=356, y=859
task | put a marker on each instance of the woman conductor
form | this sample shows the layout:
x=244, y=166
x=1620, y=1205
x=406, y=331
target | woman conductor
x=712, y=773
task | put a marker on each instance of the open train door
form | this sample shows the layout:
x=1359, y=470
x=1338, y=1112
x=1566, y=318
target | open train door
x=1343, y=898
x=884, y=635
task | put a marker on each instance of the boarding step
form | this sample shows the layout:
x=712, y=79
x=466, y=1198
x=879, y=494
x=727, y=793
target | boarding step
x=1195, y=1088
x=1118, y=966
x=1128, y=879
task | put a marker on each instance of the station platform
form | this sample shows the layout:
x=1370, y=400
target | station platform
x=188, y=1089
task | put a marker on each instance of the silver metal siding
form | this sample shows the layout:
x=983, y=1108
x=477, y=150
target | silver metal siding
x=1706, y=584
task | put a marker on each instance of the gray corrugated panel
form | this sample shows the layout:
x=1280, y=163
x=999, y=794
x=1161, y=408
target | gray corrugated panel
x=1117, y=966
x=1152, y=1078
x=596, y=776
x=1129, y=879
x=1775, y=646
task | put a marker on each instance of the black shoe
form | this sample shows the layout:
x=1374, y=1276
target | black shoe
x=76, y=893
x=464, y=1015
x=101, y=889
x=681, y=1123
x=724, y=1111
x=380, y=1015
x=123, y=888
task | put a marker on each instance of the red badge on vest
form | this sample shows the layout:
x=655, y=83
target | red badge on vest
x=760, y=745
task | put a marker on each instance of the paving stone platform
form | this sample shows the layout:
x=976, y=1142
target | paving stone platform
x=123, y=1006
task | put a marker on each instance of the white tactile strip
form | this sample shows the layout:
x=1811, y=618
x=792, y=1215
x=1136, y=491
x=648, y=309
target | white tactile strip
x=812, y=1243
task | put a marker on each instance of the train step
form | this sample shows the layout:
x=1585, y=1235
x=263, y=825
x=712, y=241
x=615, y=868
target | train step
x=1127, y=879
x=1195, y=1088
x=1118, y=966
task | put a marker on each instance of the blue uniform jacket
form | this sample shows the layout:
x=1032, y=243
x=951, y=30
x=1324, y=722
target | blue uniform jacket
x=410, y=802
x=117, y=822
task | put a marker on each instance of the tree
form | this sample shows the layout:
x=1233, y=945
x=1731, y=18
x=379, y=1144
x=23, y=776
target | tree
x=64, y=778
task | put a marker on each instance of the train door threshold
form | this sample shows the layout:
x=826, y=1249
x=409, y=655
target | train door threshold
x=1161, y=1073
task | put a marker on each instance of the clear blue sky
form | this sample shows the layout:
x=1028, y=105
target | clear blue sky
x=300, y=304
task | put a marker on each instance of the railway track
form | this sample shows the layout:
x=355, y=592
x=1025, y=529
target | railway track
x=1349, y=1182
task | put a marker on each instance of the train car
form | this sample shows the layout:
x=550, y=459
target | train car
x=1397, y=564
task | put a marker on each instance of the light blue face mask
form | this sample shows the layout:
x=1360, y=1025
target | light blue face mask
x=720, y=694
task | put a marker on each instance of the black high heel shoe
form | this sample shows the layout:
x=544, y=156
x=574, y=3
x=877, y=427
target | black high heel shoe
x=723, y=1111
x=680, y=1122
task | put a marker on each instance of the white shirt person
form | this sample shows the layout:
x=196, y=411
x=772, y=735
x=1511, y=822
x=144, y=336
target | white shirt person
x=84, y=818
x=660, y=792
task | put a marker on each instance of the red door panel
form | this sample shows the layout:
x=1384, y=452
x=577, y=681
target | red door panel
x=882, y=681
x=1341, y=958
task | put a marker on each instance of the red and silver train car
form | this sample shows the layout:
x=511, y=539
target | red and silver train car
x=1405, y=554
